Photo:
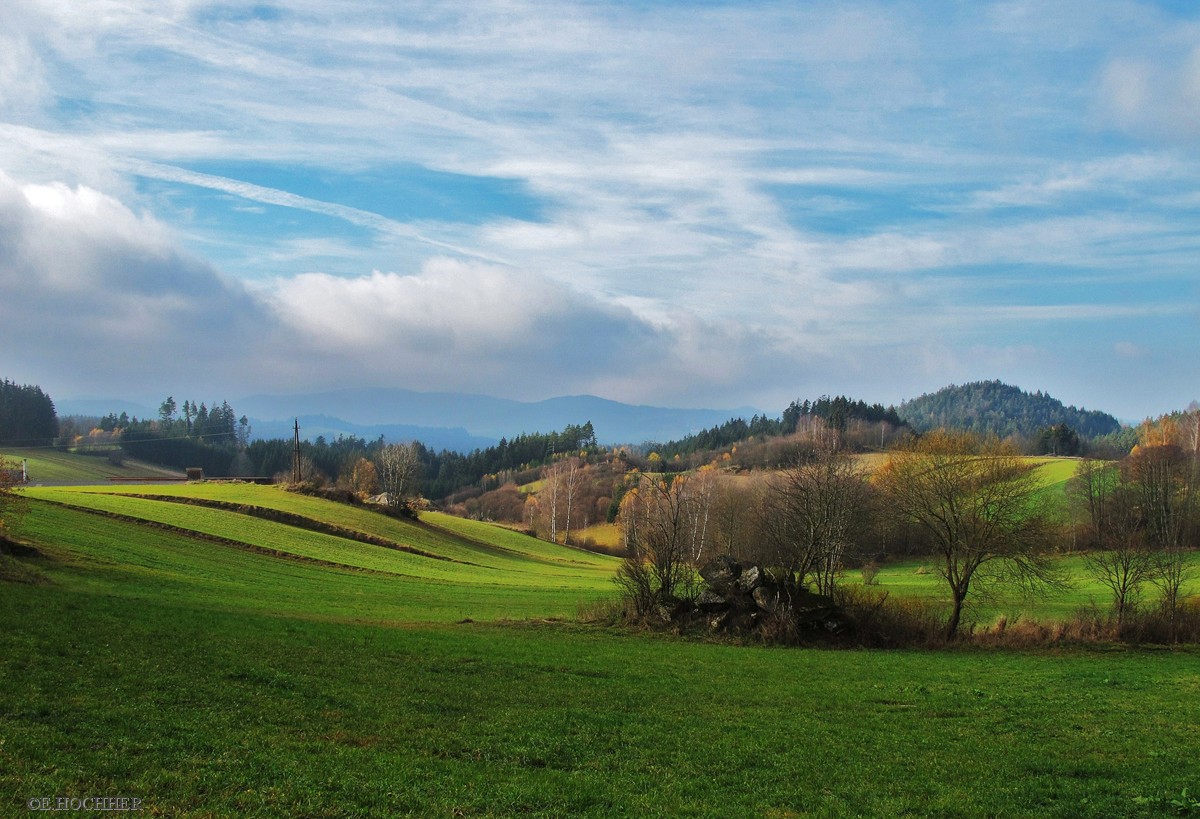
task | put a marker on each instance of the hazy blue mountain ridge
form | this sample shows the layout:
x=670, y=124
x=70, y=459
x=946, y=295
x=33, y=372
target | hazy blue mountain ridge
x=484, y=419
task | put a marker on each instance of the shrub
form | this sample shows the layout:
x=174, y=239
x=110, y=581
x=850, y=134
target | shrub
x=881, y=620
x=870, y=573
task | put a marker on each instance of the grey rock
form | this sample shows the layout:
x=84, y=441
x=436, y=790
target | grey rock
x=721, y=572
x=751, y=578
x=766, y=598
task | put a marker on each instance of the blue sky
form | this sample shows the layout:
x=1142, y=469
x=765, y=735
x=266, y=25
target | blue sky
x=683, y=204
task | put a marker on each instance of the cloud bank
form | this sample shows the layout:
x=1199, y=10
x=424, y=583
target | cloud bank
x=720, y=204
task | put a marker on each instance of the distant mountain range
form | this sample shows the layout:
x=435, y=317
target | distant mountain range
x=463, y=421
x=457, y=439
x=442, y=420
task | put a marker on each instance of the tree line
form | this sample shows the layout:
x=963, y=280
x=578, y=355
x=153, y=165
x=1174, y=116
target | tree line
x=844, y=415
x=27, y=415
x=972, y=504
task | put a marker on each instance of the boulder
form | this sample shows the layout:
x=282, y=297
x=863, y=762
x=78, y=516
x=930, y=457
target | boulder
x=721, y=572
x=766, y=598
x=709, y=600
x=743, y=598
x=751, y=578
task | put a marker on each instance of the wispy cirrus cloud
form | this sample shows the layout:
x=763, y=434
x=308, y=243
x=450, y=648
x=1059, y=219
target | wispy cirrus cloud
x=774, y=197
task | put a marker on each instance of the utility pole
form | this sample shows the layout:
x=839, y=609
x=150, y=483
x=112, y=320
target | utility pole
x=296, y=455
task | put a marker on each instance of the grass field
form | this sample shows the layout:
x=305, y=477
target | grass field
x=920, y=579
x=485, y=573
x=267, y=669
x=50, y=465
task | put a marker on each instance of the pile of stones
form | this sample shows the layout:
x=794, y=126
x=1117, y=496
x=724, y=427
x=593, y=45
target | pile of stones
x=742, y=597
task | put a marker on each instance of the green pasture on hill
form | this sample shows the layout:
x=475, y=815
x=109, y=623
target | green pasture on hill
x=485, y=573
x=214, y=662
x=54, y=466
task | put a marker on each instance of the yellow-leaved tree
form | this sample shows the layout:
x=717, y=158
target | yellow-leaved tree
x=978, y=503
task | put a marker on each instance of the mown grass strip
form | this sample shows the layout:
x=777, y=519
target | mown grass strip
x=53, y=466
x=298, y=521
x=102, y=555
x=210, y=538
x=470, y=541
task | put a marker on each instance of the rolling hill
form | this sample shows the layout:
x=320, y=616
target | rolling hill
x=996, y=408
x=48, y=465
x=214, y=650
x=439, y=569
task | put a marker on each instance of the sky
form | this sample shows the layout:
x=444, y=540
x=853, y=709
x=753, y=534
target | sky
x=691, y=204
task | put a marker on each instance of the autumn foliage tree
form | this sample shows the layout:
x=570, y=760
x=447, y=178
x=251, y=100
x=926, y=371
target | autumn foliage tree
x=11, y=503
x=364, y=477
x=978, y=503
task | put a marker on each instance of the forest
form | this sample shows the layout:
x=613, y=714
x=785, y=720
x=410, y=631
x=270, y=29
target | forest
x=996, y=408
x=27, y=415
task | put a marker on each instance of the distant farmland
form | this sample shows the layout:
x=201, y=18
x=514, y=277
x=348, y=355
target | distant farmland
x=53, y=466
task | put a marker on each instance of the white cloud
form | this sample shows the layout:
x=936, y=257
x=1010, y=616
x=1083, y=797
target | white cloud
x=654, y=139
x=1156, y=93
x=1111, y=174
x=100, y=298
x=1129, y=350
x=464, y=308
x=97, y=294
x=23, y=85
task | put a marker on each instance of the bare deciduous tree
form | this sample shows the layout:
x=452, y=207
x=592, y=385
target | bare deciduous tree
x=397, y=469
x=1091, y=493
x=1118, y=556
x=978, y=503
x=560, y=482
x=11, y=503
x=558, y=499
x=1163, y=480
x=812, y=509
x=1122, y=560
x=657, y=571
x=736, y=522
x=701, y=490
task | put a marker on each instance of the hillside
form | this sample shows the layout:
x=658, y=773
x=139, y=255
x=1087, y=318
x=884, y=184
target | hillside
x=208, y=660
x=996, y=408
x=418, y=572
x=47, y=465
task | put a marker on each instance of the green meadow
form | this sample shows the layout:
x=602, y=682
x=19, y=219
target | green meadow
x=920, y=579
x=211, y=660
x=47, y=464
